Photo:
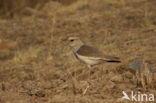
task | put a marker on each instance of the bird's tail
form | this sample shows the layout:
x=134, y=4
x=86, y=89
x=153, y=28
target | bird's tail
x=115, y=60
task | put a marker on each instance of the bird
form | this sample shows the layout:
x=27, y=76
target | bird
x=89, y=55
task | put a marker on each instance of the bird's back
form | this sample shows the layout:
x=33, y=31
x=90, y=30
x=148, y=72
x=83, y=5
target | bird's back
x=92, y=52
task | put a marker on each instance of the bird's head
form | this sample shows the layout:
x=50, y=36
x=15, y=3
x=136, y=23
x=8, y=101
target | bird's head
x=75, y=42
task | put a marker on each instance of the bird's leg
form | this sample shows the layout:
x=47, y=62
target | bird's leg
x=90, y=69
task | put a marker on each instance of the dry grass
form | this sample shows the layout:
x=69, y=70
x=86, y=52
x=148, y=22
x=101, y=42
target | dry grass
x=42, y=68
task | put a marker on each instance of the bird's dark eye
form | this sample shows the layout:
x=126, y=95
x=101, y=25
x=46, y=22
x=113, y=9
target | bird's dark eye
x=72, y=40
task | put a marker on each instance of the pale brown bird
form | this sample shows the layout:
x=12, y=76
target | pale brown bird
x=89, y=55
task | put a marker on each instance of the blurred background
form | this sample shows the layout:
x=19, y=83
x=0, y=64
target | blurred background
x=9, y=8
x=37, y=66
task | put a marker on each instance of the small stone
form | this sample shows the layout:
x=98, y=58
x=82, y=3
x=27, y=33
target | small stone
x=40, y=93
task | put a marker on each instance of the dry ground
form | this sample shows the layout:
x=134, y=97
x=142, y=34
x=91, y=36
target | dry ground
x=37, y=66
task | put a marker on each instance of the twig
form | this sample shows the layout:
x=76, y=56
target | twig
x=85, y=90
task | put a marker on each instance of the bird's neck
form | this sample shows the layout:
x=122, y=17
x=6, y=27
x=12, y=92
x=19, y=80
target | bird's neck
x=76, y=48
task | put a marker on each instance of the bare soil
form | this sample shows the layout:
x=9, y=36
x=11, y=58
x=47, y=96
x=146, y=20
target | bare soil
x=37, y=66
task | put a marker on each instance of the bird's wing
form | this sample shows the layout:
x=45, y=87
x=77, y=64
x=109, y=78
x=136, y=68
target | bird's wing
x=92, y=52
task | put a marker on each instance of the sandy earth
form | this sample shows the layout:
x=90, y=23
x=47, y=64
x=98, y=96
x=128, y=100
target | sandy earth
x=37, y=66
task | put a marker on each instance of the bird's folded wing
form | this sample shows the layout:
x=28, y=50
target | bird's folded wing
x=92, y=52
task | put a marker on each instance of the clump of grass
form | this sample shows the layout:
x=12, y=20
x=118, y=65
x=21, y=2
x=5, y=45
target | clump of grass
x=29, y=55
x=24, y=75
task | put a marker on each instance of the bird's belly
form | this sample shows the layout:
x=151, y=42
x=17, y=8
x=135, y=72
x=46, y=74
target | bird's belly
x=89, y=60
